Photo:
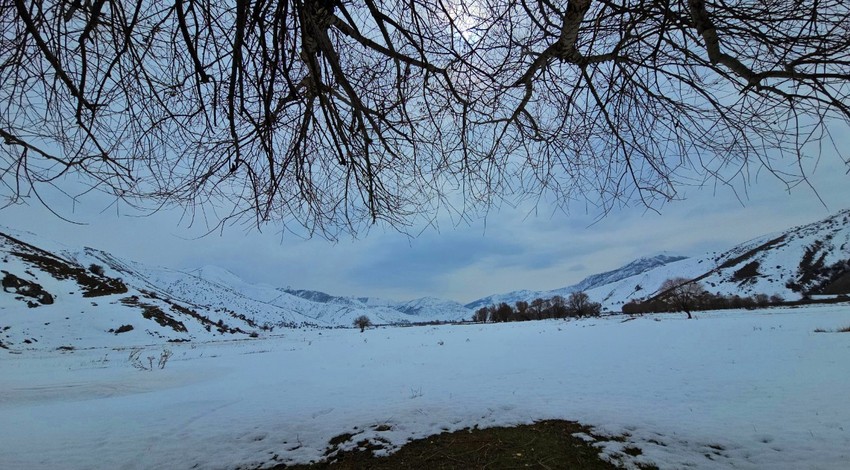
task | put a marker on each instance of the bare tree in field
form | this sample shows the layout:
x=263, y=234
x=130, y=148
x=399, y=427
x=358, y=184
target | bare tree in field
x=333, y=114
x=579, y=305
x=362, y=322
x=682, y=294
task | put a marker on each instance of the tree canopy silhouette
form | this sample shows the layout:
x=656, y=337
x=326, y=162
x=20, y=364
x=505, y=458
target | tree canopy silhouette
x=338, y=113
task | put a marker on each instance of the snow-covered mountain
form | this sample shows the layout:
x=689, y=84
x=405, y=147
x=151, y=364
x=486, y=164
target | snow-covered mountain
x=809, y=259
x=631, y=269
x=58, y=296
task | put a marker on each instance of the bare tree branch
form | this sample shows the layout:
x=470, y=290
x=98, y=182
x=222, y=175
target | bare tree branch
x=337, y=115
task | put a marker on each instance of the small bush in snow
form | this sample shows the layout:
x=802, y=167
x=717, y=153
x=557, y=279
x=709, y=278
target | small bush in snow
x=96, y=269
x=148, y=363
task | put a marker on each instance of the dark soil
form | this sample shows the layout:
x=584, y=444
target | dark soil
x=92, y=285
x=544, y=445
x=26, y=288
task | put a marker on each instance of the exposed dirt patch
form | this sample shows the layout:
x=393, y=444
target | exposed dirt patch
x=92, y=284
x=123, y=329
x=544, y=445
x=202, y=319
x=748, y=272
x=841, y=285
x=152, y=312
x=749, y=254
x=16, y=285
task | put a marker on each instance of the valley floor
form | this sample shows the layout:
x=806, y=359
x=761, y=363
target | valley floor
x=758, y=389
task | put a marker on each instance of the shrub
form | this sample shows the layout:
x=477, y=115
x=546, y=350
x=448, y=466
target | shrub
x=96, y=269
x=135, y=359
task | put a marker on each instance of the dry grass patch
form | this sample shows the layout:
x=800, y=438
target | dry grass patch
x=546, y=445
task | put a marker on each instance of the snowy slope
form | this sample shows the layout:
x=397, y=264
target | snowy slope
x=631, y=269
x=52, y=301
x=813, y=258
x=422, y=310
x=731, y=390
x=163, y=304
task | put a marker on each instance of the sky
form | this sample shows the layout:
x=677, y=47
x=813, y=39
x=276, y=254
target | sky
x=513, y=248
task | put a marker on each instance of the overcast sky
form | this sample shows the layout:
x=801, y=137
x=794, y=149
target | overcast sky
x=513, y=249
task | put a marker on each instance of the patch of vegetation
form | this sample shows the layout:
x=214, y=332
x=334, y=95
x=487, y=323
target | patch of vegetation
x=92, y=284
x=839, y=285
x=152, y=312
x=814, y=277
x=546, y=445
x=632, y=450
x=809, y=266
x=150, y=362
x=202, y=319
x=845, y=329
x=749, y=254
x=692, y=296
x=27, y=289
x=155, y=313
x=122, y=329
x=749, y=271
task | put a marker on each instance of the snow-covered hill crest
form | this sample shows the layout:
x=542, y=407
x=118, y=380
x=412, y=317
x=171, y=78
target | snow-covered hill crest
x=631, y=269
x=57, y=296
x=805, y=260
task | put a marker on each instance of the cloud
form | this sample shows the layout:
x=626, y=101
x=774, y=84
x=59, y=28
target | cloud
x=525, y=247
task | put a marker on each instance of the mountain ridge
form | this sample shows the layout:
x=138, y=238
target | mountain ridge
x=632, y=268
x=58, y=296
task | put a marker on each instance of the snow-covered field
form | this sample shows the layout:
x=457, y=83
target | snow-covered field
x=729, y=389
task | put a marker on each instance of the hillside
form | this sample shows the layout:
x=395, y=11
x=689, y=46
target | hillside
x=734, y=390
x=632, y=269
x=809, y=259
x=805, y=260
x=56, y=296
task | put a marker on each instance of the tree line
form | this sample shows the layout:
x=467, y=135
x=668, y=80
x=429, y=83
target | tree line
x=685, y=295
x=577, y=304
